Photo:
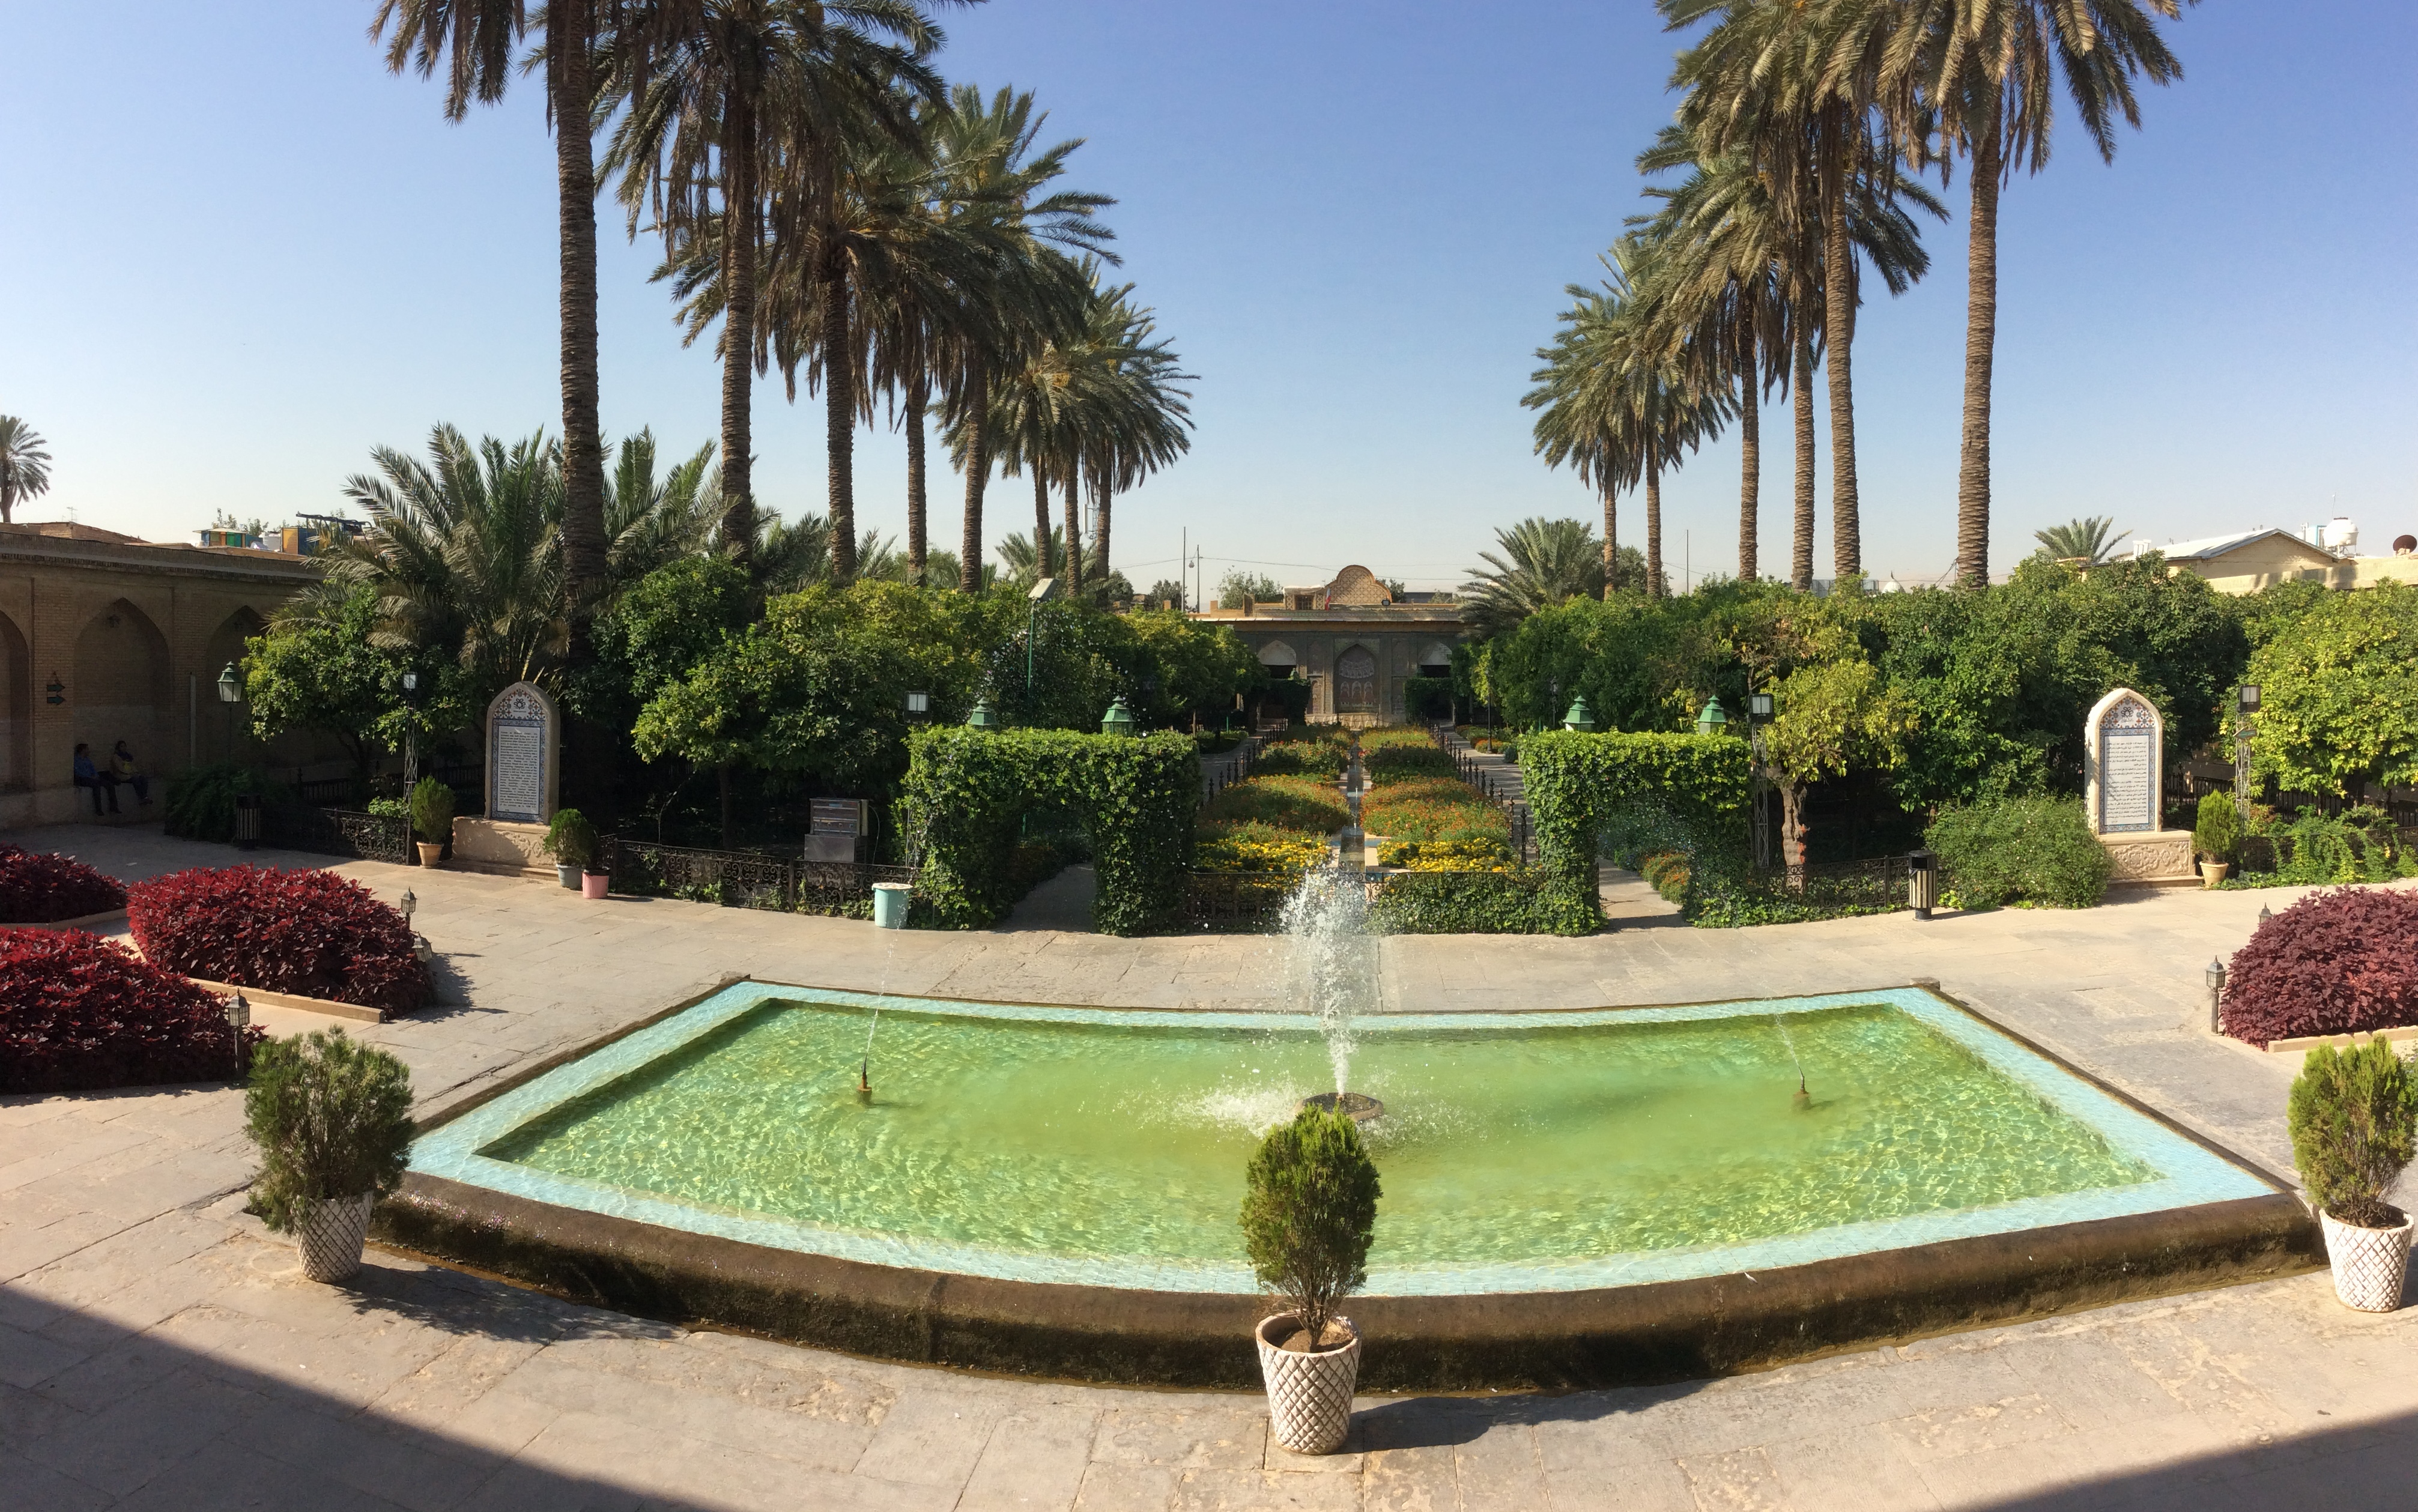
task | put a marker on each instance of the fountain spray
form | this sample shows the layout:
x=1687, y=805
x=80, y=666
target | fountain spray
x=865, y=1067
x=1803, y=1101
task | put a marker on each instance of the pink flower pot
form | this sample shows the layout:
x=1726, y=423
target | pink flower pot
x=592, y=884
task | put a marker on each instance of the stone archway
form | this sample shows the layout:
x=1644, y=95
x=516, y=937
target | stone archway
x=16, y=709
x=1355, y=680
x=120, y=692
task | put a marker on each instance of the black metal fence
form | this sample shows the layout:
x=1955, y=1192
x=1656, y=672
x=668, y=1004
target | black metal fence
x=1876, y=883
x=336, y=832
x=746, y=878
x=1238, y=902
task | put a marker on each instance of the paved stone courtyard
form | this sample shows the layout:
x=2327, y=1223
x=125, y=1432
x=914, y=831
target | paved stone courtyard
x=157, y=1348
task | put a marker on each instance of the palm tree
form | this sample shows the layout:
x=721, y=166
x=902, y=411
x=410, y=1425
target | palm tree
x=1135, y=419
x=651, y=520
x=728, y=101
x=474, y=39
x=1024, y=567
x=465, y=550
x=989, y=174
x=1544, y=562
x=1984, y=73
x=25, y=466
x=2087, y=540
x=1743, y=281
x=1793, y=87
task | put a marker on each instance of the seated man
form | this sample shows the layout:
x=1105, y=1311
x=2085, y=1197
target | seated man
x=87, y=776
x=122, y=766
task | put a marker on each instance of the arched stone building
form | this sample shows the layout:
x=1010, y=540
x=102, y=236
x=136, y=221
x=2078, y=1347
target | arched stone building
x=106, y=639
x=1353, y=639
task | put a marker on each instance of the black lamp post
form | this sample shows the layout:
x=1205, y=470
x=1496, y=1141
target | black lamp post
x=410, y=733
x=1759, y=708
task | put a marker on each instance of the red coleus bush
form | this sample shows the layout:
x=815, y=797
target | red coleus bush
x=311, y=933
x=2334, y=963
x=36, y=887
x=79, y=1012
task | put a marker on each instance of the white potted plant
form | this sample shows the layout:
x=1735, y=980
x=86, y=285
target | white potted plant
x=1309, y=1213
x=2353, y=1116
x=332, y=1121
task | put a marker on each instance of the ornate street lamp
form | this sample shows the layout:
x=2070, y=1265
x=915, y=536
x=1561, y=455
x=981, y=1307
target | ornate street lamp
x=1712, y=718
x=1119, y=720
x=230, y=686
x=1581, y=718
x=238, y=1018
x=2215, y=996
x=982, y=718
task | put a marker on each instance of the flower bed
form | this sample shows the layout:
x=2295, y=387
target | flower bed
x=2334, y=963
x=1297, y=805
x=80, y=1013
x=1447, y=855
x=306, y=932
x=36, y=887
x=1259, y=848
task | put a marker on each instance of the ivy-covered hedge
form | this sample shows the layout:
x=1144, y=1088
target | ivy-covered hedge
x=967, y=792
x=1510, y=902
x=1581, y=786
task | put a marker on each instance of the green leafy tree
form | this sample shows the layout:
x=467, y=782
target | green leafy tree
x=1310, y=1216
x=332, y=675
x=2338, y=694
x=1234, y=591
x=1830, y=717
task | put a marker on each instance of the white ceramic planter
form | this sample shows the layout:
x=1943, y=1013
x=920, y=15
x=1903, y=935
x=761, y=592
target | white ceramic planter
x=1309, y=1395
x=2369, y=1263
x=330, y=1236
x=567, y=875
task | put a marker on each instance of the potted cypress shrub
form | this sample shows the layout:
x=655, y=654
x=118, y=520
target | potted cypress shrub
x=570, y=840
x=332, y=1121
x=2354, y=1115
x=431, y=819
x=2216, y=835
x=1309, y=1212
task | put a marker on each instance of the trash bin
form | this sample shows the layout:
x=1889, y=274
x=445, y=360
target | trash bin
x=247, y=821
x=1922, y=882
x=890, y=905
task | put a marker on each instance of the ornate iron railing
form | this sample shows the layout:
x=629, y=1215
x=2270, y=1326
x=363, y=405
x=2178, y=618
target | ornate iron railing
x=1240, y=901
x=747, y=878
x=336, y=832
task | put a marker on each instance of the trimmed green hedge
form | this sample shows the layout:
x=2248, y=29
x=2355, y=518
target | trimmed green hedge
x=2021, y=849
x=1484, y=903
x=1581, y=786
x=967, y=792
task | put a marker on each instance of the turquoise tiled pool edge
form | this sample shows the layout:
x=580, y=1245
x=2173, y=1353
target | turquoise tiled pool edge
x=2187, y=1174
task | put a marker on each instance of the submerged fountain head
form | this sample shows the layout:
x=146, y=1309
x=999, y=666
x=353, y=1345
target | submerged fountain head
x=1358, y=1107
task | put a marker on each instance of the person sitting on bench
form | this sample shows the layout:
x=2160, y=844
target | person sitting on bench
x=122, y=766
x=87, y=776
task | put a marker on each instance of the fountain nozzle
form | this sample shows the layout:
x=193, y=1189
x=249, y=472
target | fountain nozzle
x=865, y=1082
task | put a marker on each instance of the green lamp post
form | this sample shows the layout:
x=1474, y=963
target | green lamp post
x=982, y=718
x=1581, y=718
x=1712, y=718
x=1119, y=720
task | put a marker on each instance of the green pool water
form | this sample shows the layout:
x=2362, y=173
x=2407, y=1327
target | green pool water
x=1121, y=1142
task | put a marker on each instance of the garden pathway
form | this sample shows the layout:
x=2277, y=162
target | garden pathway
x=158, y=1350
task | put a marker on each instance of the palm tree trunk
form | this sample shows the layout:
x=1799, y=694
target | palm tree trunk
x=1800, y=562
x=574, y=175
x=1750, y=470
x=969, y=536
x=1075, y=530
x=738, y=332
x=1040, y=521
x=839, y=423
x=1611, y=544
x=1101, y=496
x=1654, y=584
x=1980, y=343
x=1838, y=335
x=919, y=395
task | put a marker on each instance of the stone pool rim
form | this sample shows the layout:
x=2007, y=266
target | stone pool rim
x=1642, y=1333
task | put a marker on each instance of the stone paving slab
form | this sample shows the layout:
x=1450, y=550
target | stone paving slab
x=159, y=1348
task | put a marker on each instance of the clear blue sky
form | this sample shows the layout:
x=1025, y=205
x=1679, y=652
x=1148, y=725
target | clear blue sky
x=237, y=254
